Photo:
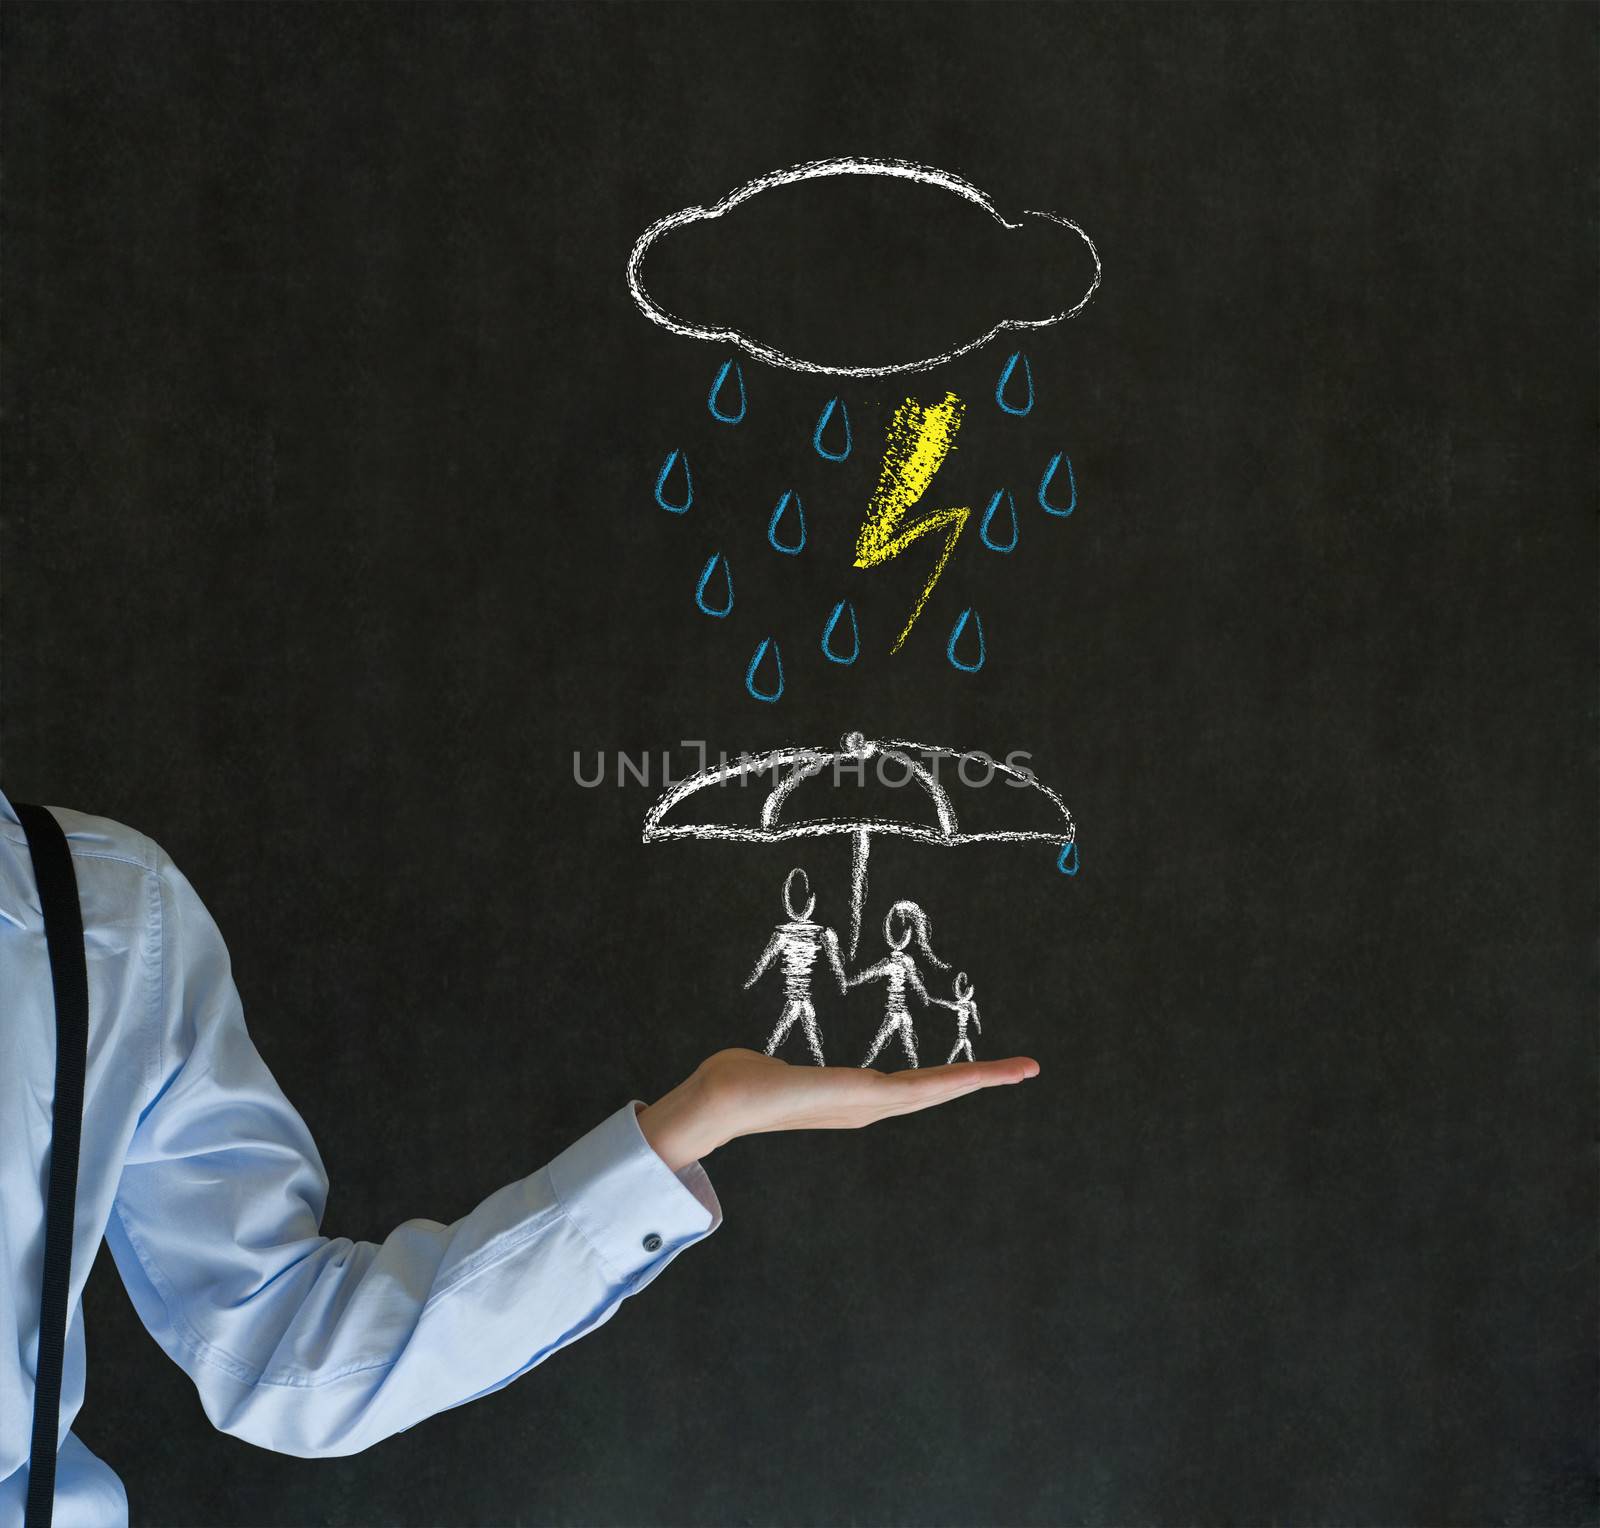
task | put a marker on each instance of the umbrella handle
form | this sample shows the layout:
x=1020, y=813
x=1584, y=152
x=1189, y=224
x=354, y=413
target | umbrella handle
x=858, y=885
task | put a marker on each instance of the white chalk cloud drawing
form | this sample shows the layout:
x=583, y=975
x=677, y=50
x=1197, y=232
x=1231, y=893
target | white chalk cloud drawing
x=819, y=169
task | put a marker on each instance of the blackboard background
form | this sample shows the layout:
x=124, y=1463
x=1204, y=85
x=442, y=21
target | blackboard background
x=329, y=432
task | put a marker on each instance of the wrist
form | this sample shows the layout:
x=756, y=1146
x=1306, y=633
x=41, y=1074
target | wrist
x=679, y=1125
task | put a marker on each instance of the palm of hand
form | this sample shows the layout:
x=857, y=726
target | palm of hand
x=748, y=1093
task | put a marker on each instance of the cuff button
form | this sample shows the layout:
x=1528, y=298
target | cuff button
x=652, y=1243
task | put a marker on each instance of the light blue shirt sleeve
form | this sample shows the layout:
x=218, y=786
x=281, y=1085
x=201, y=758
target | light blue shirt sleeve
x=313, y=1345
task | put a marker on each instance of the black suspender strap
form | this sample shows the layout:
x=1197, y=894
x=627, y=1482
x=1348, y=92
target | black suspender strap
x=69, y=976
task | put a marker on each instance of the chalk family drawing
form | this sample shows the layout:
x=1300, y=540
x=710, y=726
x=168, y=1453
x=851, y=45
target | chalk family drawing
x=903, y=511
x=798, y=943
x=903, y=514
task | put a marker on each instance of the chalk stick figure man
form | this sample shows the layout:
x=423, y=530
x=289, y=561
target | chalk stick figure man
x=965, y=1008
x=898, y=970
x=798, y=943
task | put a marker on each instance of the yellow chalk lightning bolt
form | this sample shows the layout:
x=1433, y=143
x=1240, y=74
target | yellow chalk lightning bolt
x=920, y=437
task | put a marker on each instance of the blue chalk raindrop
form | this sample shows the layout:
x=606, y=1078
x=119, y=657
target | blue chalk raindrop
x=950, y=647
x=1067, y=860
x=1049, y=477
x=843, y=607
x=1005, y=377
x=988, y=518
x=714, y=398
x=674, y=458
x=705, y=578
x=822, y=424
x=755, y=663
x=790, y=500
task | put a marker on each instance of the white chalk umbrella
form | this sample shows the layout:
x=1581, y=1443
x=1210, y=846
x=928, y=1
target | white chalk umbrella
x=790, y=766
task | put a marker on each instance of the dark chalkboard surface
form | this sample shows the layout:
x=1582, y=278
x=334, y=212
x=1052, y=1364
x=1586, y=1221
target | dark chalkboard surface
x=331, y=435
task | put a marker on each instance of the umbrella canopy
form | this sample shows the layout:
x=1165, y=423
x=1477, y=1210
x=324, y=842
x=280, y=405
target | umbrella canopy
x=781, y=816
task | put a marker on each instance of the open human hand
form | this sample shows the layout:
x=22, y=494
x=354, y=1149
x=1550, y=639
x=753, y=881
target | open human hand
x=743, y=1092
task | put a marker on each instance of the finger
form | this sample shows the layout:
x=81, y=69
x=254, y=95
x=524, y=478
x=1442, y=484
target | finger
x=926, y=1087
x=970, y=1074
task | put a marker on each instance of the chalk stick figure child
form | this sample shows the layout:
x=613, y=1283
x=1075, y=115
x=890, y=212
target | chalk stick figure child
x=965, y=1008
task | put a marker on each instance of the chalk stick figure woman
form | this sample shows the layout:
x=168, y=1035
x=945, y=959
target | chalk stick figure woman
x=898, y=970
x=798, y=943
x=964, y=1008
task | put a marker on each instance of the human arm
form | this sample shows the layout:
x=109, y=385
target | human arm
x=313, y=1345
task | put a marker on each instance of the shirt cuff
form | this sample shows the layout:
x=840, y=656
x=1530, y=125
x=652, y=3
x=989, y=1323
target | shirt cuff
x=633, y=1209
